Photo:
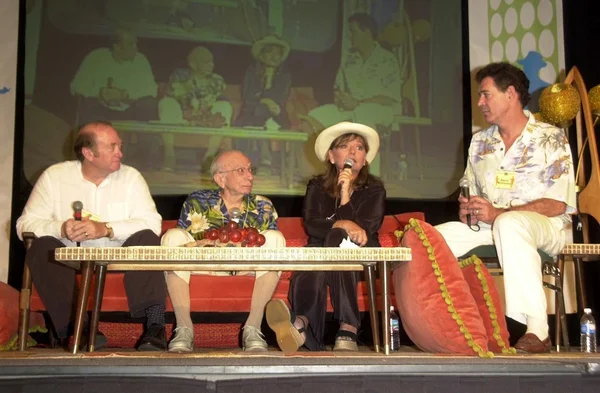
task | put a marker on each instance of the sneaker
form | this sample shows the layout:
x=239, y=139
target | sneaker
x=253, y=340
x=155, y=339
x=183, y=340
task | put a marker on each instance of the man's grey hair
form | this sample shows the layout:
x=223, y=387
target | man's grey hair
x=216, y=166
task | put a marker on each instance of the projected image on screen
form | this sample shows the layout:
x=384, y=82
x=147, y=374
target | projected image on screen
x=183, y=80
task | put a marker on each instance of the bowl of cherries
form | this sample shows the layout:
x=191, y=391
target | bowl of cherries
x=232, y=235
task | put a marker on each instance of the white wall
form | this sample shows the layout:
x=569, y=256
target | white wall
x=9, y=30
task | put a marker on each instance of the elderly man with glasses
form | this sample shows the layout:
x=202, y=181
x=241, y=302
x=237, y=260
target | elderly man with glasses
x=204, y=210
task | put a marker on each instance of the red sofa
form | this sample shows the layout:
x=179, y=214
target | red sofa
x=225, y=294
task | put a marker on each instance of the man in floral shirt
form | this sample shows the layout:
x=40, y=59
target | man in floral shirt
x=520, y=178
x=208, y=209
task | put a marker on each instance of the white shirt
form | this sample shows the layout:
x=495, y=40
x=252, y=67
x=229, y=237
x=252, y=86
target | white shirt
x=99, y=66
x=540, y=159
x=378, y=75
x=122, y=199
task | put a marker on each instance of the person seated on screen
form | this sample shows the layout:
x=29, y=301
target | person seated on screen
x=194, y=95
x=207, y=210
x=522, y=193
x=265, y=91
x=346, y=202
x=367, y=87
x=116, y=83
x=118, y=211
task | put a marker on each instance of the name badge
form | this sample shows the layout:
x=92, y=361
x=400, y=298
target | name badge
x=92, y=217
x=505, y=180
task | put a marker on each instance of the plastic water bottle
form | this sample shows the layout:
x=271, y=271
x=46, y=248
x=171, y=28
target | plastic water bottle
x=394, y=330
x=588, y=331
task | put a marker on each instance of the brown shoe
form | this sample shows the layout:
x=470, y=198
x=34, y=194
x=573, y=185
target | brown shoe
x=530, y=343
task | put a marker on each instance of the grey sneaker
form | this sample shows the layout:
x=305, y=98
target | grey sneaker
x=253, y=339
x=183, y=340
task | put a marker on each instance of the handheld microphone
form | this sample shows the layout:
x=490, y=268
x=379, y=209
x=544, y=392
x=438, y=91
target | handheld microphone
x=235, y=214
x=348, y=163
x=464, y=191
x=77, y=208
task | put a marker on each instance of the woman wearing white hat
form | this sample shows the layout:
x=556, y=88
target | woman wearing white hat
x=345, y=202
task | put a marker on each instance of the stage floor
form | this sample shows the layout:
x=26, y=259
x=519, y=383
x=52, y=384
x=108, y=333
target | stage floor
x=228, y=364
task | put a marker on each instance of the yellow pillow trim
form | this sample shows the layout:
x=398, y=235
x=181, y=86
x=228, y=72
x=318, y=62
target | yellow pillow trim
x=445, y=294
x=474, y=260
x=12, y=344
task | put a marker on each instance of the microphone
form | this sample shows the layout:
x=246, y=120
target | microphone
x=235, y=214
x=348, y=163
x=464, y=191
x=77, y=208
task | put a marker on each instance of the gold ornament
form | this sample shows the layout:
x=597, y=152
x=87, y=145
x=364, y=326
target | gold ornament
x=539, y=116
x=559, y=104
x=595, y=100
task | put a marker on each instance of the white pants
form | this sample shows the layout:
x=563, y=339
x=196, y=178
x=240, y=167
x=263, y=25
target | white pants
x=176, y=237
x=368, y=113
x=517, y=237
x=169, y=111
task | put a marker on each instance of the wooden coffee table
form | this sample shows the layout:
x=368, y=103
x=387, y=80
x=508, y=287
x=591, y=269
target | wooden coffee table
x=101, y=259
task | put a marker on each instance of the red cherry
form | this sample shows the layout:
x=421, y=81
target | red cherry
x=224, y=237
x=235, y=236
x=260, y=240
x=251, y=237
x=244, y=233
x=244, y=244
x=253, y=230
x=232, y=225
x=211, y=234
x=223, y=230
x=250, y=244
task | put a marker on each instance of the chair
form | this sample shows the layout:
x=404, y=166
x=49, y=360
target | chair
x=589, y=189
x=489, y=257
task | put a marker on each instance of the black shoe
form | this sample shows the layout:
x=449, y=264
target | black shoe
x=155, y=339
x=84, y=341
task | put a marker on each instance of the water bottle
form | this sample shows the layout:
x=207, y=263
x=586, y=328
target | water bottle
x=588, y=331
x=394, y=330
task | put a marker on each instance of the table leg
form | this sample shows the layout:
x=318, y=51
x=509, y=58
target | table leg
x=100, y=280
x=87, y=270
x=282, y=164
x=385, y=305
x=370, y=280
x=169, y=151
x=291, y=163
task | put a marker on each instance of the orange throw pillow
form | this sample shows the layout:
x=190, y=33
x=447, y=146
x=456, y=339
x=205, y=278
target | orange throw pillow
x=487, y=297
x=434, y=301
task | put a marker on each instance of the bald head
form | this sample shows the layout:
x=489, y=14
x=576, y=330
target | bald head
x=223, y=161
x=87, y=137
x=200, y=60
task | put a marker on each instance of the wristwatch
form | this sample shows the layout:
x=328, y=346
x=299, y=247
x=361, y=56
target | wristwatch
x=110, y=233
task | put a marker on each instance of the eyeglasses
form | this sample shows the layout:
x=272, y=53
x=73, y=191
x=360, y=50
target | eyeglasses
x=242, y=171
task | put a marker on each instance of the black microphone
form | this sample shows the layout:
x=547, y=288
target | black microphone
x=77, y=208
x=464, y=191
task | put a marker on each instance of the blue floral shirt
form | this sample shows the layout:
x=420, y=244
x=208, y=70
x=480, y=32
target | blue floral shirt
x=205, y=209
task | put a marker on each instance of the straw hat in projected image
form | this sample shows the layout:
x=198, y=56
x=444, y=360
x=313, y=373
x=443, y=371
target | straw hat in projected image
x=258, y=45
x=328, y=135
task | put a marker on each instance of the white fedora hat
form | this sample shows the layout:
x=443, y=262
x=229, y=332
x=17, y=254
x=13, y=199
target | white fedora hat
x=328, y=135
x=258, y=45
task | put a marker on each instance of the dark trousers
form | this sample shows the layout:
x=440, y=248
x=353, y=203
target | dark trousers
x=56, y=282
x=308, y=296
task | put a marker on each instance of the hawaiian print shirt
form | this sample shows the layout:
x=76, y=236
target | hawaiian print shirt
x=204, y=209
x=540, y=160
x=378, y=75
x=205, y=91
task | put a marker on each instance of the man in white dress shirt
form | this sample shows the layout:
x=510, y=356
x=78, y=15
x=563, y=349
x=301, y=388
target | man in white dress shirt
x=118, y=210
